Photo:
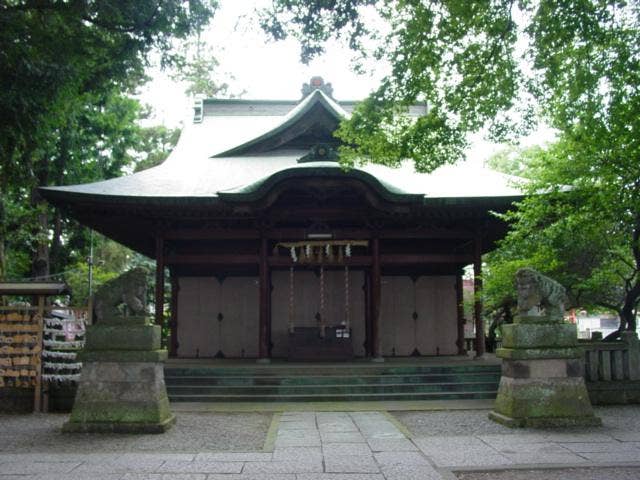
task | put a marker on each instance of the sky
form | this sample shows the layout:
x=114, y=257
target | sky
x=264, y=69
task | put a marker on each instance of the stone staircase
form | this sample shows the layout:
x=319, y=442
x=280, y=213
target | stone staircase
x=321, y=382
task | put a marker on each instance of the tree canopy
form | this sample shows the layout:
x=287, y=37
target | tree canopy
x=503, y=65
x=579, y=224
x=487, y=64
x=65, y=111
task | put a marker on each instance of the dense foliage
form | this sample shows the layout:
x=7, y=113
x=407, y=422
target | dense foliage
x=66, y=116
x=493, y=64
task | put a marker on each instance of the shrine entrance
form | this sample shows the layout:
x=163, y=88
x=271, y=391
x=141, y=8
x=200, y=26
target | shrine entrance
x=318, y=303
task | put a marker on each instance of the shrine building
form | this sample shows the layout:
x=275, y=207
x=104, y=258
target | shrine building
x=275, y=251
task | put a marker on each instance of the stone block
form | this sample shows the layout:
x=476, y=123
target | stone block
x=539, y=353
x=544, y=368
x=539, y=335
x=631, y=339
x=614, y=392
x=119, y=320
x=116, y=337
x=123, y=356
x=123, y=397
x=543, y=402
x=537, y=319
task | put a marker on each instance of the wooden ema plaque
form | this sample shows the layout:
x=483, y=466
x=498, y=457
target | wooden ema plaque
x=21, y=347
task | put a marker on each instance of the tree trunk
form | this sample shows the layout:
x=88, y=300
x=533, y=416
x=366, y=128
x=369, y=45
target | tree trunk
x=3, y=229
x=40, y=261
x=56, y=243
x=628, y=314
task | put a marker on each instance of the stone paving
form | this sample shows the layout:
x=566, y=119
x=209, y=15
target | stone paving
x=342, y=446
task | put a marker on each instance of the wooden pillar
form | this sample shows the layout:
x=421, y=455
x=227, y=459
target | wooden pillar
x=173, y=339
x=460, y=343
x=477, y=293
x=376, y=340
x=159, y=294
x=37, y=398
x=265, y=304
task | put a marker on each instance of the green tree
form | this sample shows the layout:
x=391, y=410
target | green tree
x=155, y=145
x=198, y=68
x=457, y=57
x=481, y=65
x=58, y=59
x=583, y=231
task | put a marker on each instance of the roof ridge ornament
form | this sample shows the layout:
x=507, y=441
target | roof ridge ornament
x=321, y=152
x=317, y=83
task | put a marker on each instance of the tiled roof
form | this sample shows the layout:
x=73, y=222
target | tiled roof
x=211, y=161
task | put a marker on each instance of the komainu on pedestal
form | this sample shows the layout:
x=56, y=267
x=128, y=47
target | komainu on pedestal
x=542, y=382
x=122, y=385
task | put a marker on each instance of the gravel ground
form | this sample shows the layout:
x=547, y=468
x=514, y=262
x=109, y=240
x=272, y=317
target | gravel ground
x=618, y=473
x=192, y=432
x=476, y=422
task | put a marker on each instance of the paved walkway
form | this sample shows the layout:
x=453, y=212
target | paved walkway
x=341, y=446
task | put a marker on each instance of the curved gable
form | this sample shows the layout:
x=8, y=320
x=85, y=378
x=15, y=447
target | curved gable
x=313, y=121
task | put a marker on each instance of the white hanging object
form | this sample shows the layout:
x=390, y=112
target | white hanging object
x=294, y=255
x=62, y=366
x=54, y=354
x=347, y=250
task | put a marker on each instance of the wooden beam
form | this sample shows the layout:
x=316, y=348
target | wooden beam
x=426, y=234
x=477, y=292
x=286, y=261
x=212, y=259
x=210, y=234
x=301, y=233
x=159, y=294
x=413, y=259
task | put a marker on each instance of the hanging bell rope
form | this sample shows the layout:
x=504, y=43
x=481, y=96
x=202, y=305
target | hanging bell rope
x=347, y=320
x=322, y=325
x=291, y=302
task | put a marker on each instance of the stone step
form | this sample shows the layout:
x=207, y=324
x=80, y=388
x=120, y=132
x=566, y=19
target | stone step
x=323, y=369
x=337, y=398
x=177, y=380
x=261, y=390
x=331, y=382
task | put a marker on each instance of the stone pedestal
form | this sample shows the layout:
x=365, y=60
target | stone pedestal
x=122, y=387
x=542, y=382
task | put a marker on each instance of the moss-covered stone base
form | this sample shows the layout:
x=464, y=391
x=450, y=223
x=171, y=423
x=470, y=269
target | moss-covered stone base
x=552, y=335
x=543, y=402
x=119, y=427
x=539, y=353
x=121, y=396
x=118, y=337
x=545, y=422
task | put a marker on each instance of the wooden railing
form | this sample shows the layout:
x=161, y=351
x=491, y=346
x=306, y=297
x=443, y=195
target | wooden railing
x=610, y=361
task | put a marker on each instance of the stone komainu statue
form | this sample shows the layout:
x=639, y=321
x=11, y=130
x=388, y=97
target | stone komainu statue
x=537, y=290
x=129, y=289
